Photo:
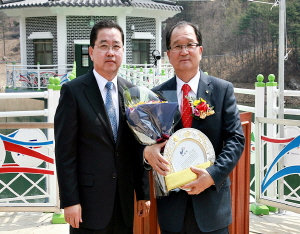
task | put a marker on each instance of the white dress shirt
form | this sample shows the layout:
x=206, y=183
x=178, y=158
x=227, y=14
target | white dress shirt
x=193, y=83
x=101, y=84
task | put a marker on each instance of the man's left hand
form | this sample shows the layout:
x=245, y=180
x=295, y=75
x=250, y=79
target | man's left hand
x=203, y=181
x=143, y=208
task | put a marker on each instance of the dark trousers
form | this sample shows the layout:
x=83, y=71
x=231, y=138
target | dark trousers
x=190, y=225
x=116, y=224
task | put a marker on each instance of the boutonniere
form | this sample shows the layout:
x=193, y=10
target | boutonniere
x=200, y=109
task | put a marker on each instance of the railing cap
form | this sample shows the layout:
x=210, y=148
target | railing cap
x=260, y=79
x=271, y=79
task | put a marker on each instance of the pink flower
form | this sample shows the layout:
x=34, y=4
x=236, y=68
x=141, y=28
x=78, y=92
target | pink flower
x=196, y=112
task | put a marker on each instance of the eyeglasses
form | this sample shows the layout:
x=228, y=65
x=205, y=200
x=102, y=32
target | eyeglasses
x=106, y=48
x=188, y=47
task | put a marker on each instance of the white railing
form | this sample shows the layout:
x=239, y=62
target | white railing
x=146, y=74
x=35, y=168
x=34, y=76
x=149, y=76
x=37, y=76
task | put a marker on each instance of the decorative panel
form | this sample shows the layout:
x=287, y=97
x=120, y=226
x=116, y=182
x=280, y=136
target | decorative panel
x=141, y=24
x=40, y=24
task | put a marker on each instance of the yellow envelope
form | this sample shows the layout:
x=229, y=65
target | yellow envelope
x=180, y=178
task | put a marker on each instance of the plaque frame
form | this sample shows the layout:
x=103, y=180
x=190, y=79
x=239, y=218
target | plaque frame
x=188, y=136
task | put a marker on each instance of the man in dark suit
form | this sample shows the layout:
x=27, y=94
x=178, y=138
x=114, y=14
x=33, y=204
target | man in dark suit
x=206, y=207
x=99, y=162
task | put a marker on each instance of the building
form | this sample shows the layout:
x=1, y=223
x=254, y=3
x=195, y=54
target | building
x=57, y=31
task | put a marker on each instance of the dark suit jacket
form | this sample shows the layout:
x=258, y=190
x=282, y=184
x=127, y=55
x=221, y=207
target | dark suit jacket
x=212, y=207
x=91, y=167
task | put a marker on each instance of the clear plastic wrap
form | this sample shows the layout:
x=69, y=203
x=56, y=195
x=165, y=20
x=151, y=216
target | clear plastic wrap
x=151, y=118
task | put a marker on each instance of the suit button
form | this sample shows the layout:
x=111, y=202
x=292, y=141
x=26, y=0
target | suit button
x=114, y=175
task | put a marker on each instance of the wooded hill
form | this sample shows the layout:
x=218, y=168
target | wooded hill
x=240, y=38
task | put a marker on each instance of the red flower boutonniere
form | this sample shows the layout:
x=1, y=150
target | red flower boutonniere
x=200, y=109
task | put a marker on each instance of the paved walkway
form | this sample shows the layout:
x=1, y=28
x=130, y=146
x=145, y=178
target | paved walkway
x=40, y=223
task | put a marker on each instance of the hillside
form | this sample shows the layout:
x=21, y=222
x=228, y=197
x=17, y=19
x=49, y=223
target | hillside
x=9, y=39
x=240, y=39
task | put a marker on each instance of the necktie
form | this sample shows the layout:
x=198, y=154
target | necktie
x=186, y=110
x=110, y=109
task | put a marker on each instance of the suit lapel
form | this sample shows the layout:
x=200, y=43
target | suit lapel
x=122, y=116
x=94, y=97
x=204, y=91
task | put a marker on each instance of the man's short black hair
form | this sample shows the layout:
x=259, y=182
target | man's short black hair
x=104, y=24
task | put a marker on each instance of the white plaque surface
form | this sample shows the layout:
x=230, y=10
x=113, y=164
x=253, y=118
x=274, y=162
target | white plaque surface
x=188, y=147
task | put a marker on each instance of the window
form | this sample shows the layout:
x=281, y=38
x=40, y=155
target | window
x=43, y=49
x=85, y=56
x=140, y=51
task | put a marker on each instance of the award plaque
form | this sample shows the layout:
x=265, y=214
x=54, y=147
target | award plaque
x=187, y=147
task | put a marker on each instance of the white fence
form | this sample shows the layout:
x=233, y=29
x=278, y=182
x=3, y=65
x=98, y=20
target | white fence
x=37, y=76
x=150, y=76
x=27, y=175
x=146, y=74
x=34, y=76
x=271, y=184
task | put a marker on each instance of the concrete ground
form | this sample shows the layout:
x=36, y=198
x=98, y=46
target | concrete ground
x=40, y=223
x=275, y=223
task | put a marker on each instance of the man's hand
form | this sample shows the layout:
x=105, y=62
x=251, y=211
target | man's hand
x=73, y=215
x=143, y=208
x=155, y=159
x=203, y=182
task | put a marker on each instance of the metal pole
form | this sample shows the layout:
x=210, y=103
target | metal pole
x=281, y=87
x=281, y=61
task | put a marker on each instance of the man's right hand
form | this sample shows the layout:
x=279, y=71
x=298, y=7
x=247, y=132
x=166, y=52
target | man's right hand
x=155, y=159
x=73, y=215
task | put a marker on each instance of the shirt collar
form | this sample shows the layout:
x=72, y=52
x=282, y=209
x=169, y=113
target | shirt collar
x=102, y=81
x=193, y=83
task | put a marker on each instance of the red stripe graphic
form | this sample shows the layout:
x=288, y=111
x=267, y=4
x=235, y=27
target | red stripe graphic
x=274, y=140
x=10, y=165
x=25, y=170
x=23, y=150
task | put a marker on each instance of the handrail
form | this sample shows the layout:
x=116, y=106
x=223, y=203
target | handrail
x=24, y=95
x=29, y=125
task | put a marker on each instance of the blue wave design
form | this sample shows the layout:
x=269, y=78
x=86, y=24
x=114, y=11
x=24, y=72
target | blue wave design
x=293, y=144
x=286, y=171
x=12, y=134
x=17, y=142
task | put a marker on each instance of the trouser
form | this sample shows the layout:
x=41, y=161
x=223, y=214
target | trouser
x=190, y=225
x=116, y=224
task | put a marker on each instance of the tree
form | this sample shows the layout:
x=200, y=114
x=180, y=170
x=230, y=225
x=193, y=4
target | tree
x=3, y=18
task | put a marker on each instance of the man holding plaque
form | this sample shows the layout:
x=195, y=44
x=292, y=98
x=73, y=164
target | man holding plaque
x=203, y=205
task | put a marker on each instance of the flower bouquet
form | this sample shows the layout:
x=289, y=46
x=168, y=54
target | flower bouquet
x=200, y=109
x=151, y=118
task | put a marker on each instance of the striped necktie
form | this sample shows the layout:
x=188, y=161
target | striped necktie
x=110, y=109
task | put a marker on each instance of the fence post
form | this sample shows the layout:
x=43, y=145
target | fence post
x=259, y=96
x=14, y=75
x=122, y=71
x=127, y=76
x=38, y=76
x=259, y=112
x=53, y=98
x=163, y=76
x=150, y=78
x=141, y=76
x=271, y=87
x=134, y=75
